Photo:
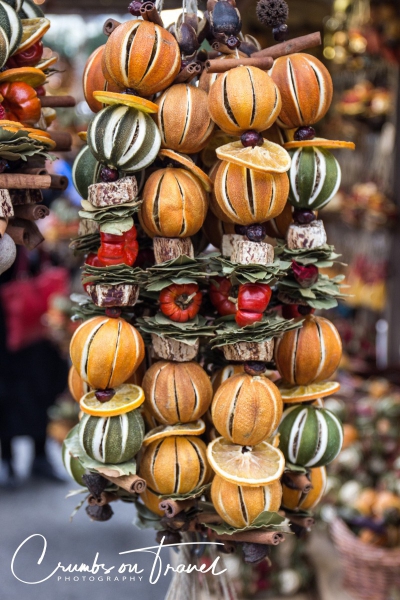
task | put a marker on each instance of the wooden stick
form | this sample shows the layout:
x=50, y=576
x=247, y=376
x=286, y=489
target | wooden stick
x=57, y=101
x=150, y=13
x=131, y=483
x=32, y=212
x=63, y=140
x=188, y=73
x=109, y=26
x=221, y=66
x=305, y=522
x=20, y=181
x=34, y=171
x=174, y=507
x=59, y=182
x=272, y=538
x=24, y=233
x=291, y=46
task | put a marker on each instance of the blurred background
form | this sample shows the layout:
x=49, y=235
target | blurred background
x=361, y=48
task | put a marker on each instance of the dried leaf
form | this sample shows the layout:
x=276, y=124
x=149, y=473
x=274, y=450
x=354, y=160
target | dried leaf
x=266, y=520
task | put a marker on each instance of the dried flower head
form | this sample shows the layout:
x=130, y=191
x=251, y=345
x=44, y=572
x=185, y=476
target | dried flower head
x=272, y=12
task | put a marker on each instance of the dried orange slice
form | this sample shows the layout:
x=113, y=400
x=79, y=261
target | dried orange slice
x=305, y=393
x=49, y=115
x=219, y=138
x=320, y=143
x=127, y=100
x=186, y=162
x=7, y=123
x=157, y=433
x=30, y=75
x=51, y=144
x=246, y=465
x=82, y=135
x=32, y=31
x=127, y=397
x=38, y=132
x=46, y=63
x=269, y=157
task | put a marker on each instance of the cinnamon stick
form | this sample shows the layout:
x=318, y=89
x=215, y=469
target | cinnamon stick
x=24, y=233
x=220, y=47
x=305, y=522
x=109, y=26
x=131, y=483
x=103, y=499
x=63, y=140
x=173, y=507
x=34, y=171
x=32, y=212
x=221, y=66
x=297, y=481
x=272, y=538
x=57, y=101
x=209, y=518
x=150, y=13
x=3, y=225
x=59, y=182
x=188, y=73
x=20, y=181
x=291, y=46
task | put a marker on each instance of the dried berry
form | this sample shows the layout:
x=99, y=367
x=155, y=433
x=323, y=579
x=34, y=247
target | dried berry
x=108, y=175
x=280, y=33
x=256, y=233
x=304, y=133
x=240, y=229
x=113, y=312
x=104, y=395
x=100, y=513
x=304, y=310
x=272, y=13
x=305, y=275
x=134, y=8
x=254, y=553
x=251, y=138
x=233, y=42
x=95, y=483
x=303, y=217
x=254, y=367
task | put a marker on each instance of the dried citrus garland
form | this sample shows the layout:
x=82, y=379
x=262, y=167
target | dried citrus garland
x=142, y=85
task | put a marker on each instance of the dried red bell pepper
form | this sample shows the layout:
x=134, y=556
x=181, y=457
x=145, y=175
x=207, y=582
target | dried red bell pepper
x=220, y=293
x=118, y=249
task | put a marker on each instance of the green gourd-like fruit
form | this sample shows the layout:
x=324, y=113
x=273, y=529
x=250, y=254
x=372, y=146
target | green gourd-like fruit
x=314, y=177
x=85, y=171
x=30, y=10
x=310, y=436
x=12, y=25
x=112, y=439
x=123, y=138
x=73, y=466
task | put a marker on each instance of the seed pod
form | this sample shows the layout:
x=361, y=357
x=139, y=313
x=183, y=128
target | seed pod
x=187, y=39
x=244, y=98
x=245, y=196
x=240, y=505
x=106, y=352
x=177, y=392
x=306, y=89
x=142, y=56
x=309, y=354
x=297, y=500
x=183, y=119
x=113, y=439
x=94, y=80
x=175, y=465
x=174, y=203
x=314, y=177
x=225, y=19
x=310, y=436
x=123, y=138
x=246, y=410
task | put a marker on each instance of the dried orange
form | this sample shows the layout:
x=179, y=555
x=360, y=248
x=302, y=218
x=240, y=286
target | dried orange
x=218, y=138
x=106, y=351
x=175, y=465
x=246, y=465
x=32, y=31
x=162, y=431
x=187, y=163
x=109, y=98
x=225, y=373
x=244, y=98
x=152, y=500
x=321, y=143
x=76, y=385
x=269, y=157
x=241, y=505
x=94, y=79
x=127, y=397
x=51, y=144
x=309, y=354
x=296, y=500
x=177, y=392
x=214, y=229
x=246, y=409
x=294, y=394
x=30, y=75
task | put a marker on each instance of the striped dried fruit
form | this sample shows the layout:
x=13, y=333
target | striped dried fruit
x=72, y=466
x=240, y=505
x=309, y=354
x=152, y=500
x=310, y=436
x=76, y=385
x=306, y=89
x=85, y=171
x=183, y=118
x=174, y=203
x=246, y=410
x=245, y=196
x=11, y=23
x=94, y=79
x=112, y=440
x=314, y=178
x=142, y=56
x=295, y=500
x=106, y=351
x=244, y=98
x=175, y=465
x=123, y=138
x=177, y=392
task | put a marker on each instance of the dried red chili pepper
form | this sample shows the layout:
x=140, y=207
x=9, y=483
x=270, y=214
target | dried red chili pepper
x=180, y=302
x=118, y=249
x=253, y=299
x=221, y=296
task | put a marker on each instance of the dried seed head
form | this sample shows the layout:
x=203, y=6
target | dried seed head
x=100, y=513
x=272, y=13
x=95, y=483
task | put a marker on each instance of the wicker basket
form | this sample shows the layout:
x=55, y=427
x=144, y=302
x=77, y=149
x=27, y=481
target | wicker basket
x=369, y=572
